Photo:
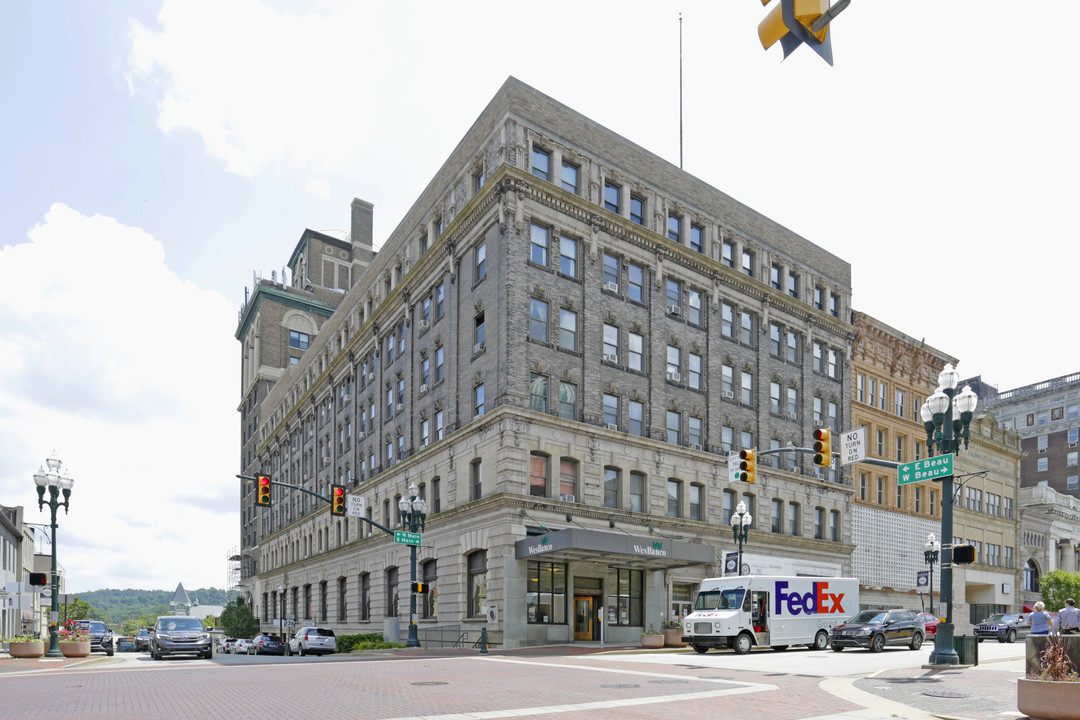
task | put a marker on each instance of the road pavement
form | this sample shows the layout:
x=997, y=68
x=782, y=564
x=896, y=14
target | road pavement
x=570, y=682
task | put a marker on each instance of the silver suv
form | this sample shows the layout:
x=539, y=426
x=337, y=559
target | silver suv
x=313, y=641
x=179, y=635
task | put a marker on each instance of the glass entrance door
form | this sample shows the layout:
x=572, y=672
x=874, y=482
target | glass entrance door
x=583, y=617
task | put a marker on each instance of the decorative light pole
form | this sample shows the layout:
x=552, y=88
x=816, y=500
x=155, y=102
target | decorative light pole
x=930, y=555
x=57, y=481
x=413, y=513
x=740, y=528
x=946, y=417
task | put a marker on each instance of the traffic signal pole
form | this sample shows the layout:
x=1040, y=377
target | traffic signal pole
x=321, y=497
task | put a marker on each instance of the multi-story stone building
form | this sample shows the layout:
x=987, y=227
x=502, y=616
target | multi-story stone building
x=1046, y=416
x=559, y=345
x=892, y=374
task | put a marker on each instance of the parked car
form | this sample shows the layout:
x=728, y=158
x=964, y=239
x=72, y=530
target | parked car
x=101, y=637
x=179, y=635
x=874, y=629
x=313, y=641
x=142, y=640
x=263, y=644
x=240, y=647
x=227, y=645
x=1006, y=627
x=930, y=623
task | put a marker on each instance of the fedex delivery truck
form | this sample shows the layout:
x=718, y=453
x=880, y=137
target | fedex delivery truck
x=768, y=610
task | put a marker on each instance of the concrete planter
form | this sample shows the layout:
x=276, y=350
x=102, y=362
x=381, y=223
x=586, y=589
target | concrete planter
x=75, y=649
x=673, y=637
x=26, y=648
x=1047, y=699
x=652, y=641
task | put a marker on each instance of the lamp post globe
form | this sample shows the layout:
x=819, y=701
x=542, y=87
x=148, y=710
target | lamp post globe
x=56, y=480
x=413, y=510
x=740, y=529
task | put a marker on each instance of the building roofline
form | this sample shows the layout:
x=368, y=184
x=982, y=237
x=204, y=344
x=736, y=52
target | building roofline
x=283, y=296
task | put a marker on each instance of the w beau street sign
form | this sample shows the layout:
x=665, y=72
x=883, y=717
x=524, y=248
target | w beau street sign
x=933, y=468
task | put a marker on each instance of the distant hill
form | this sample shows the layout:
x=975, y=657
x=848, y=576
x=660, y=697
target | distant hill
x=118, y=605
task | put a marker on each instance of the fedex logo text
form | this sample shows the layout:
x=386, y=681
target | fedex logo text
x=818, y=601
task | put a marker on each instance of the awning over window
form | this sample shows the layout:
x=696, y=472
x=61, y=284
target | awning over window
x=646, y=553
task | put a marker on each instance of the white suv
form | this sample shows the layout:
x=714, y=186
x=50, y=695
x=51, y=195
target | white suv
x=313, y=641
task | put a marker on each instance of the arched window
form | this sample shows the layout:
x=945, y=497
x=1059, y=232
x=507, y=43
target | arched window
x=392, y=592
x=1031, y=576
x=477, y=598
x=429, y=574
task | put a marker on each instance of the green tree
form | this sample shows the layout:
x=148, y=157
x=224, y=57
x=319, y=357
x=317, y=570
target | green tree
x=1057, y=585
x=79, y=610
x=237, y=620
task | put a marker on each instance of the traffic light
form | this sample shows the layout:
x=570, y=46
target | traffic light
x=39, y=579
x=262, y=491
x=790, y=22
x=748, y=466
x=337, y=500
x=419, y=587
x=963, y=554
x=823, y=447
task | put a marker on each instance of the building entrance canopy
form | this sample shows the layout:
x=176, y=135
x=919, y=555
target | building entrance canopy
x=645, y=553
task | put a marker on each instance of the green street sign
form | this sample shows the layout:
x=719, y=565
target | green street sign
x=926, y=469
x=406, y=538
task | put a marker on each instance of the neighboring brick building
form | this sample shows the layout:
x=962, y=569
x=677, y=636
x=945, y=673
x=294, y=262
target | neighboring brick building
x=559, y=345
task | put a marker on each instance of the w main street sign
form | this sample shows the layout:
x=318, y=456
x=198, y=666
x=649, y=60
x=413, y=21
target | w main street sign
x=933, y=468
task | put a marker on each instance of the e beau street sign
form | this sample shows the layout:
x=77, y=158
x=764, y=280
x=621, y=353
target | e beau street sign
x=933, y=468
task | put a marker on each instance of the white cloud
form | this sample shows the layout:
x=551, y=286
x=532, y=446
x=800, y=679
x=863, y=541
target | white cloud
x=126, y=370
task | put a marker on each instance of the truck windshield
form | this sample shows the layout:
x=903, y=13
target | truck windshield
x=719, y=599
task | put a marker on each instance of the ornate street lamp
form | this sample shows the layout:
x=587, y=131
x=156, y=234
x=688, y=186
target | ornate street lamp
x=413, y=513
x=946, y=417
x=57, y=481
x=740, y=528
x=930, y=555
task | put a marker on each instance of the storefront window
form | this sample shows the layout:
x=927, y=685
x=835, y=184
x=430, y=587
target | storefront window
x=546, y=596
x=391, y=592
x=477, y=584
x=429, y=573
x=624, y=607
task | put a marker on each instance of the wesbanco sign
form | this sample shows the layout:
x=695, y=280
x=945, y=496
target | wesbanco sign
x=583, y=544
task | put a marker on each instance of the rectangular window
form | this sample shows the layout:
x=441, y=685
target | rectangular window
x=674, y=297
x=693, y=301
x=693, y=432
x=880, y=490
x=673, y=363
x=899, y=400
x=793, y=285
x=567, y=329
x=819, y=523
x=538, y=392
x=611, y=409
x=440, y=354
x=538, y=475
x=637, y=492
x=636, y=351
x=834, y=305
x=727, y=320
x=611, y=197
x=674, y=498
x=793, y=518
x=746, y=391
x=777, y=525
x=625, y=604
x=546, y=593
x=568, y=253
x=834, y=525
x=674, y=423
x=860, y=387
x=727, y=381
x=636, y=275
x=636, y=416
x=695, y=503
x=570, y=177
x=748, y=263
x=637, y=209
x=612, y=480
x=476, y=480
x=774, y=276
x=774, y=339
x=819, y=298
x=693, y=366
x=611, y=272
x=440, y=300
x=696, y=234
x=568, y=401
x=538, y=245
x=568, y=471
x=774, y=398
x=727, y=253
x=792, y=403
x=538, y=320
x=480, y=268
x=792, y=347
x=611, y=343
x=747, y=328
x=674, y=227
x=299, y=340
x=900, y=454
x=478, y=331
x=478, y=400
x=541, y=163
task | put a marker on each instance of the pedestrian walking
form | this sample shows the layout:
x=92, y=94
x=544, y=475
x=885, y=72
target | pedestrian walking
x=1069, y=618
x=1040, y=620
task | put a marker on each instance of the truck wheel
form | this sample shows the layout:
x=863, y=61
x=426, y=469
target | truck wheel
x=821, y=640
x=702, y=649
x=877, y=643
x=1011, y=637
x=743, y=643
x=916, y=641
x=837, y=648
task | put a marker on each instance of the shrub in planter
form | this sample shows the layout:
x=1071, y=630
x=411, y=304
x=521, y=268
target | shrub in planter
x=1052, y=689
x=25, y=646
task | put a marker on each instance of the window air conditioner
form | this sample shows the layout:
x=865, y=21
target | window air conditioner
x=568, y=498
x=371, y=377
x=729, y=395
x=399, y=407
x=611, y=358
x=360, y=435
x=423, y=388
x=611, y=287
x=612, y=426
x=424, y=325
x=696, y=446
x=325, y=460
x=478, y=347
x=674, y=376
x=674, y=310
x=476, y=417
x=345, y=398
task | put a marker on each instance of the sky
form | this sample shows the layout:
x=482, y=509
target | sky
x=155, y=155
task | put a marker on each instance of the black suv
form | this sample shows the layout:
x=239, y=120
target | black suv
x=1005, y=627
x=101, y=637
x=874, y=629
x=142, y=640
